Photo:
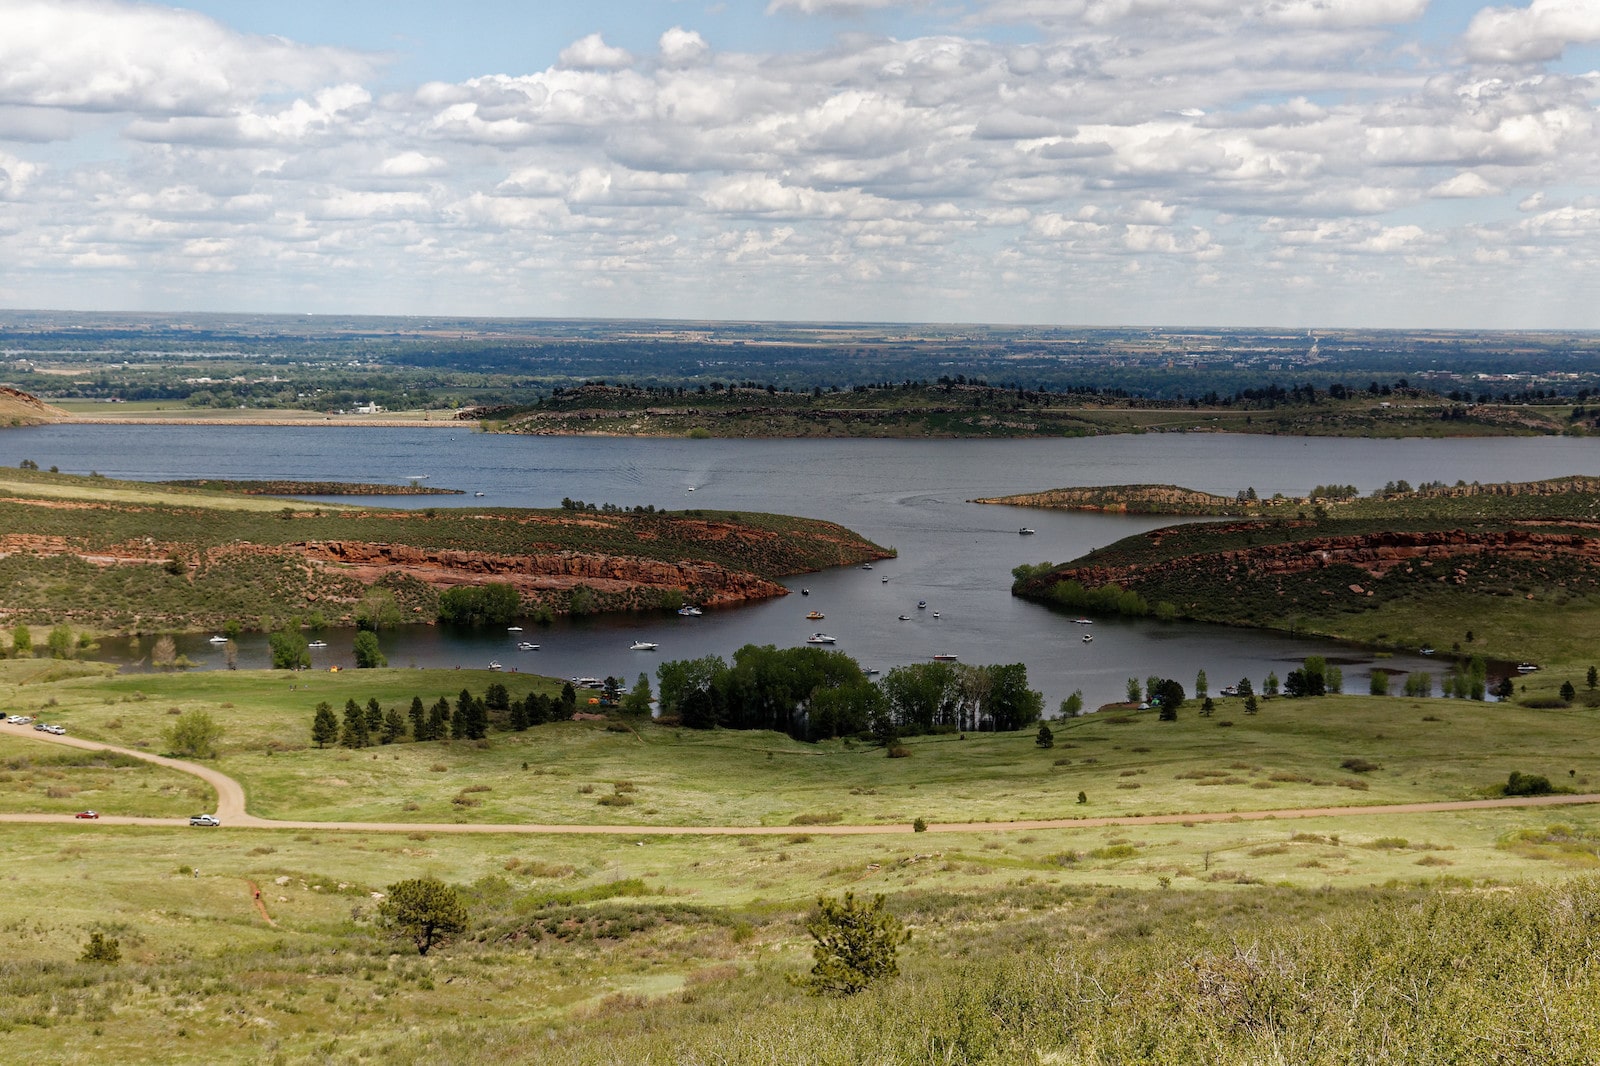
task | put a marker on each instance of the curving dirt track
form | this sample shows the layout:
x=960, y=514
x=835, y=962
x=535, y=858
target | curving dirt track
x=230, y=810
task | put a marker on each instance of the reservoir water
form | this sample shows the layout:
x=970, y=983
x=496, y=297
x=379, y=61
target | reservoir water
x=908, y=495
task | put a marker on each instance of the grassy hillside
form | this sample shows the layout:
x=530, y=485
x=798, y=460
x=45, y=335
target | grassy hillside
x=128, y=556
x=1291, y=754
x=1515, y=566
x=971, y=410
x=1383, y=937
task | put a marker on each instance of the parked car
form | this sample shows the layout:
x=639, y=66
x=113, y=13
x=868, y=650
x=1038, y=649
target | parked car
x=204, y=819
x=58, y=730
x=18, y=719
x=40, y=726
x=87, y=814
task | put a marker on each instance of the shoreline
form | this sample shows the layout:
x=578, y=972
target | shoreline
x=325, y=422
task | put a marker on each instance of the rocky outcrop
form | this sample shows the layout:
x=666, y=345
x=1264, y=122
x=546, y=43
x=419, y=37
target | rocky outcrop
x=701, y=582
x=1129, y=499
x=1375, y=553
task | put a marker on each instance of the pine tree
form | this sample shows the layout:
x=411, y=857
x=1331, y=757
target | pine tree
x=439, y=719
x=325, y=726
x=374, y=716
x=394, y=726
x=419, y=718
x=856, y=944
x=519, y=714
x=354, y=734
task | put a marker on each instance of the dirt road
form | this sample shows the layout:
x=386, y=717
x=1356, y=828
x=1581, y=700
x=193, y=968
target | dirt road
x=230, y=810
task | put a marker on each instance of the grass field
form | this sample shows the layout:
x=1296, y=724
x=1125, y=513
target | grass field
x=701, y=925
x=1323, y=940
x=1291, y=754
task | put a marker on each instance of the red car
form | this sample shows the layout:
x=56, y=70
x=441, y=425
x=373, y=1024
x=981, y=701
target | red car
x=87, y=814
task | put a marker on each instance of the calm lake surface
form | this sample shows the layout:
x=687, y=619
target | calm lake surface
x=908, y=495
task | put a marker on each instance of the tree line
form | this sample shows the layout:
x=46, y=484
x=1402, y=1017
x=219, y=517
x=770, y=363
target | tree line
x=814, y=694
x=468, y=717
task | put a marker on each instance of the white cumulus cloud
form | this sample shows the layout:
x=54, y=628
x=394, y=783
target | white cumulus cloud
x=592, y=53
x=1540, y=31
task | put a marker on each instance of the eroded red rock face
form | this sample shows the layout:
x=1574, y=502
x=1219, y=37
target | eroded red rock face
x=712, y=584
x=1376, y=553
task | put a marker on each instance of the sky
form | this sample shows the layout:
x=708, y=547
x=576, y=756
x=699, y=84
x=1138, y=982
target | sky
x=1315, y=163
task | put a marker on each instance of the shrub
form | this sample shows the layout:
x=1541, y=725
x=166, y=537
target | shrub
x=1520, y=784
x=101, y=948
x=1360, y=766
x=856, y=944
x=919, y=826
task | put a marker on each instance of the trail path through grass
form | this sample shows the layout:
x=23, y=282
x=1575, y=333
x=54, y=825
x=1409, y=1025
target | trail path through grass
x=230, y=810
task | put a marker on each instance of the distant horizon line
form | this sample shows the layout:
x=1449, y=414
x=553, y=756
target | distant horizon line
x=797, y=322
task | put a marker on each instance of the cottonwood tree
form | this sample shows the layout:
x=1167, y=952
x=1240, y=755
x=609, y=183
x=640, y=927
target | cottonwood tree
x=289, y=650
x=368, y=654
x=856, y=944
x=193, y=734
x=425, y=911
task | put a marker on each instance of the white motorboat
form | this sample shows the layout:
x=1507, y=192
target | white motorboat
x=523, y=645
x=317, y=644
x=905, y=618
x=690, y=612
x=1025, y=532
x=218, y=640
x=513, y=629
x=1084, y=621
x=1088, y=638
x=819, y=638
x=922, y=605
x=494, y=665
x=643, y=645
x=945, y=658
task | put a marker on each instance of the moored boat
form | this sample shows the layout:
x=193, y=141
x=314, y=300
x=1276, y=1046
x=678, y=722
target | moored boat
x=819, y=638
x=643, y=645
x=945, y=658
x=814, y=615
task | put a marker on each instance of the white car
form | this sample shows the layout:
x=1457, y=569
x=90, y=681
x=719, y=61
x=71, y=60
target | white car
x=58, y=730
x=20, y=719
x=204, y=819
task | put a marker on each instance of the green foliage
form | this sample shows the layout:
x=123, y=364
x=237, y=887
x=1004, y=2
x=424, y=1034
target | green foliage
x=492, y=603
x=367, y=652
x=194, y=734
x=1072, y=706
x=324, y=726
x=637, y=701
x=1520, y=784
x=1045, y=738
x=354, y=734
x=101, y=948
x=856, y=945
x=1568, y=693
x=1170, y=695
x=21, y=642
x=1378, y=683
x=425, y=911
x=377, y=610
x=1106, y=599
x=60, y=642
x=289, y=650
